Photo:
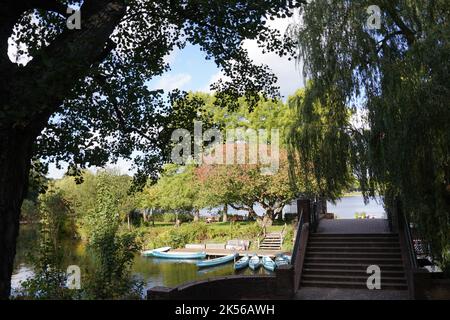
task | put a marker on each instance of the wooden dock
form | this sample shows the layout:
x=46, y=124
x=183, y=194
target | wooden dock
x=224, y=252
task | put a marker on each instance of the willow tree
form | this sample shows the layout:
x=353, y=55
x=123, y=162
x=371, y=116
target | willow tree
x=80, y=94
x=396, y=73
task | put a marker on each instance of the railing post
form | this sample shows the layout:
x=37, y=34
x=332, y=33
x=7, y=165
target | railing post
x=304, y=206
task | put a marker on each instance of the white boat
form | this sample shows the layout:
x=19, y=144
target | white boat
x=148, y=253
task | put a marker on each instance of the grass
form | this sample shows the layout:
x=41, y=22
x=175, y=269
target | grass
x=165, y=234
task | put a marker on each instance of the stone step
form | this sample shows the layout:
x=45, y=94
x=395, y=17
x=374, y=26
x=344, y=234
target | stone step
x=359, y=235
x=352, y=266
x=351, y=272
x=357, y=260
x=349, y=244
x=353, y=239
x=354, y=254
x=316, y=248
x=355, y=285
x=353, y=278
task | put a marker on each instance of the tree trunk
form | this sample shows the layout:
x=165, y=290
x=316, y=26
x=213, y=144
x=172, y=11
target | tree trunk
x=15, y=159
x=196, y=215
x=270, y=214
x=225, y=213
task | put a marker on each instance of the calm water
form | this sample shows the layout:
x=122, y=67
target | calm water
x=153, y=271
x=348, y=206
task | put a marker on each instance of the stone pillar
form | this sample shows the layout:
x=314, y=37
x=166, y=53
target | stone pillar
x=305, y=206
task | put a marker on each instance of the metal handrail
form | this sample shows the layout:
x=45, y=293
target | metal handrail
x=314, y=219
x=405, y=227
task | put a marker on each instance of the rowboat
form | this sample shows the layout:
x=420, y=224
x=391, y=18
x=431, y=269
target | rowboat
x=268, y=263
x=241, y=263
x=179, y=255
x=217, y=261
x=281, y=261
x=148, y=253
x=287, y=257
x=254, y=263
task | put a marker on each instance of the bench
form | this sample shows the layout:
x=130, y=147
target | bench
x=199, y=246
x=237, y=244
x=215, y=246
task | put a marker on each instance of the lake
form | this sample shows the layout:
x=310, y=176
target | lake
x=157, y=272
x=348, y=206
x=153, y=271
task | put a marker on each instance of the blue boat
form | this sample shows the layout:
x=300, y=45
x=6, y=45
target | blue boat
x=179, y=255
x=268, y=263
x=254, y=263
x=281, y=261
x=241, y=263
x=149, y=253
x=217, y=261
x=287, y=257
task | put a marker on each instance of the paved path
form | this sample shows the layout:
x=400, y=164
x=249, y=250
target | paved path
x=312, y=293
x=353, y=226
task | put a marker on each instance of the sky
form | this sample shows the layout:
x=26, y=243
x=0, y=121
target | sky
x=190, y=71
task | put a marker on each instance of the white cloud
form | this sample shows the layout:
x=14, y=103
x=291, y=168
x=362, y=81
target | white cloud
x=288, y=72
x=170, y=82
x=214, y=78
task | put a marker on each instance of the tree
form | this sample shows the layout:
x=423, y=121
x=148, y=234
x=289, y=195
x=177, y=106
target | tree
x=80, y=95
x=244, y=185
x=176, y=190
x=112, y=249
x=398, y=76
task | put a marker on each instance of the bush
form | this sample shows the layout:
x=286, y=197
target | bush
x=197, y=232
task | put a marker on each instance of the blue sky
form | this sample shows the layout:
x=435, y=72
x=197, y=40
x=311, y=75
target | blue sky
x=190, y=71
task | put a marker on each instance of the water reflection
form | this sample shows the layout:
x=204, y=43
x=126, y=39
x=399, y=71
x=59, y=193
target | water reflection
x=153, y=271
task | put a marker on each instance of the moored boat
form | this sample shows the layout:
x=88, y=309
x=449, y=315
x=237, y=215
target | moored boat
x=179, y=255
x=254, y=262
x=241, y=263
x=147, y=253
x=268, y=263
x=287, y=257
x=217, y=261
x=281, y=261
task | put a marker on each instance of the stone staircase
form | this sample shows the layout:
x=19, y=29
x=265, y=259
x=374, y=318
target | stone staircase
x=341, y=260
x=272, y=241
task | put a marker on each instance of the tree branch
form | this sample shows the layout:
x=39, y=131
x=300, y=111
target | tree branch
x=405, y=30
x=71, y=54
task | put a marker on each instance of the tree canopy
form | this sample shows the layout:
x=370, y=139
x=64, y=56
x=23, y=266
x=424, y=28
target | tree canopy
x=397, y=76
x=81, y=95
